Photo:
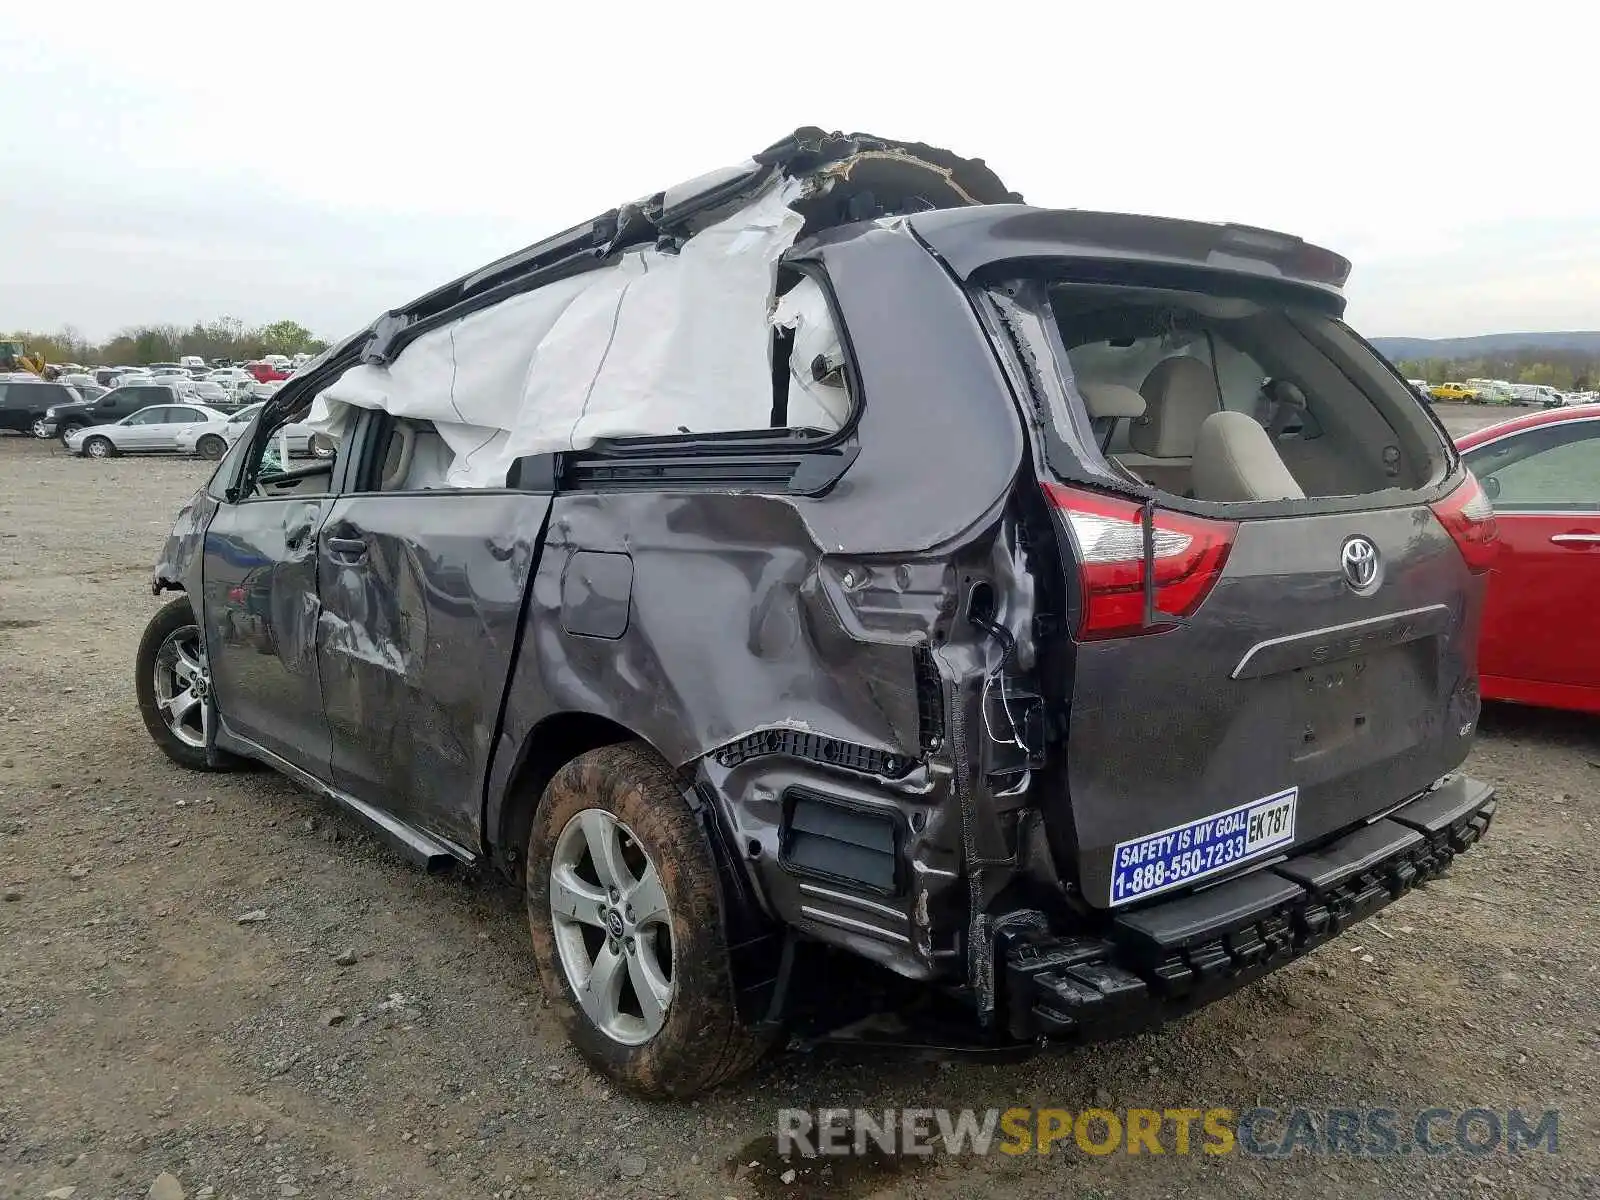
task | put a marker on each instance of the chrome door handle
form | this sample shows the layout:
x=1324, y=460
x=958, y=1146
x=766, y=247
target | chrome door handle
x=1563, y=539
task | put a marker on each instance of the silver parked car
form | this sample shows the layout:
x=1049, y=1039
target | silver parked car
x=149, y=431
x=212, y=439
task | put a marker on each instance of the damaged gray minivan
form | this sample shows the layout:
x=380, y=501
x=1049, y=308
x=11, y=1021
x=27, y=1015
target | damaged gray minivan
x=833, y=557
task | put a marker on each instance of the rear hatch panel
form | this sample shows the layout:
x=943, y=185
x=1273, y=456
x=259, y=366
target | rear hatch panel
x=1287, y=706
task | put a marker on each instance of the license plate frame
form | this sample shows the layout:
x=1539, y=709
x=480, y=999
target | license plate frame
x=1204, y=848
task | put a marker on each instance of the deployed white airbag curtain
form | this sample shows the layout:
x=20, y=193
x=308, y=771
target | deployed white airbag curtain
x=657, y=343
x=818, y=398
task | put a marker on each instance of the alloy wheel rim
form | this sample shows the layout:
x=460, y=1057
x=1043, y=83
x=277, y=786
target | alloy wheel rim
x=183, y=686
x=98, y=449
x=613, y=927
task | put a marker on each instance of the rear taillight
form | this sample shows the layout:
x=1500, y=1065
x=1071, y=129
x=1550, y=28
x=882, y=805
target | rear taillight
x=1468, y=515
x=1108, y=538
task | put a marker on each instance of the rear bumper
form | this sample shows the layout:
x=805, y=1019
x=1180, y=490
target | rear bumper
x=1169, y=958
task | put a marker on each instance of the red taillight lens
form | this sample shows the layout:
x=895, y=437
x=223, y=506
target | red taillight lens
x=1190, y=553
x=1468, y=515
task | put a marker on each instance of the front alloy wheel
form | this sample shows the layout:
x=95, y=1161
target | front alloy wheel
x=39, y=429
x=173, y=682
x=183, y=686
x=613, y=927
x=99, y=447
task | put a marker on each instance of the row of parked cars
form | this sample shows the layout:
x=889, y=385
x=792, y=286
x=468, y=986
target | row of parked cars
x=148, y=416
x=1493, y=391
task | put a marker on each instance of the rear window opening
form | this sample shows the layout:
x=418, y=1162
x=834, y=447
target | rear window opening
x=1226, y=399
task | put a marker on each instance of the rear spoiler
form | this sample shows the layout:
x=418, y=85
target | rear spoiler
x=974, y=240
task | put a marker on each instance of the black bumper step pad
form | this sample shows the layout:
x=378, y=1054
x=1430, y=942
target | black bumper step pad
x=1171, y=957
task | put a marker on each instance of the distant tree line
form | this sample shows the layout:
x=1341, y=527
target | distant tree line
x=1565, y=370
x=226, y=337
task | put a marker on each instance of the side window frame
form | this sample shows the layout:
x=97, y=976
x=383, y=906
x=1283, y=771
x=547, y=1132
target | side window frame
x=1583, y=430
x=231, y=471
x=770, y=460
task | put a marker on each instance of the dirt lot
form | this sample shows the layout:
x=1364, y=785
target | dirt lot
x=143, y=1029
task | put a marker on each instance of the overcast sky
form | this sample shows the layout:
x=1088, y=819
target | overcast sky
x=310, y=161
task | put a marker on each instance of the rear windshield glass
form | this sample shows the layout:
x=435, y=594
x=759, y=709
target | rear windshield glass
x=1151, y=366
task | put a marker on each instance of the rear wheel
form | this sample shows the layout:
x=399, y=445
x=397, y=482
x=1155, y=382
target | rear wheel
x=99, y=447
x=321, y=446
x=173, y=683
x=627, y=926
x=211, y=446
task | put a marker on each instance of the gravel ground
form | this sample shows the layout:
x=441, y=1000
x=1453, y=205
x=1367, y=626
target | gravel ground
x=380, y=1033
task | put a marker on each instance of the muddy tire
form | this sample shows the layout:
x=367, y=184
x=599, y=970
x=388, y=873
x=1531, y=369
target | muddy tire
x=622, y=898
x=211, y=447
x=173, y=684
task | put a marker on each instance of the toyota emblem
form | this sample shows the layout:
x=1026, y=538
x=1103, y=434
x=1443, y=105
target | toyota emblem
x=1363, y=570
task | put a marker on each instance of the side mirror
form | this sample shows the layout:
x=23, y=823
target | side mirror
x=1491, y=487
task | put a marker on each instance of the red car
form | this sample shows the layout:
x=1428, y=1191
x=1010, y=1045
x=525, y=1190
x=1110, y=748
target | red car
x=265, y=372
x=1541, y=642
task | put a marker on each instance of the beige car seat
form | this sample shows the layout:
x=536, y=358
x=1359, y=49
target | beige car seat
x=1179, y=394
x=1107, y=404
x=1234, y=459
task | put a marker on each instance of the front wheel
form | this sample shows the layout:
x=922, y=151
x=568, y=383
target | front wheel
x=63, y=430
x=321, y=446
x=627, y=927
x=39, y=429
x=211, y=446
x=173, y=683
x=99, y=447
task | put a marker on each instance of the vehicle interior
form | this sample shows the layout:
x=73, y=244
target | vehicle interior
x=1227, y=399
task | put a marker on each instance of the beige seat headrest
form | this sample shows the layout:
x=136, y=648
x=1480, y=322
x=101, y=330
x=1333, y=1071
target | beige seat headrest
x=1234, y=459
x=1111, y=400
x=1179, y=394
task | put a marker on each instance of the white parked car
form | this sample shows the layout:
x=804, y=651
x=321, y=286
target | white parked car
x=151, y=430
x=212, y=439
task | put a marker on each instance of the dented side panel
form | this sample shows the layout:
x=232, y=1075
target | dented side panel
x=259, y=614
x=179, y=566
x=422, y=598
x=795, y=656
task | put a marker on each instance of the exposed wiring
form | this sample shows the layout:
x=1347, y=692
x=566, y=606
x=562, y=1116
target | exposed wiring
x=996, y=673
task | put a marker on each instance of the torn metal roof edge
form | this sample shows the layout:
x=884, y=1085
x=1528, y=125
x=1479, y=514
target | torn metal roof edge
x=677, y=212
x=856, y=177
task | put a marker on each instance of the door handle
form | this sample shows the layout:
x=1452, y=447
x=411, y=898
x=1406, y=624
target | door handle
x=1575, y=539
x=346, y=548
